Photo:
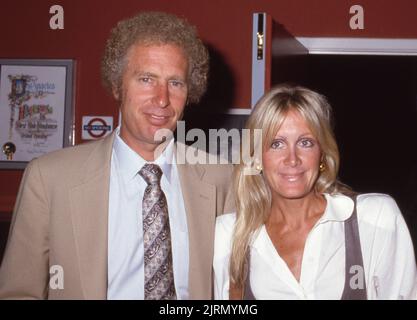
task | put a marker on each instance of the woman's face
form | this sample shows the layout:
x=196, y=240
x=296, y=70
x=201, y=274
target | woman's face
x=291, y=162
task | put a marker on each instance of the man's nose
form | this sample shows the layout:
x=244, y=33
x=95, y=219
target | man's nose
x=161, y=97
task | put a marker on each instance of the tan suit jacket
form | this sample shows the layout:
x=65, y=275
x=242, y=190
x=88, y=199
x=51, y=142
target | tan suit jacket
x=61, y=218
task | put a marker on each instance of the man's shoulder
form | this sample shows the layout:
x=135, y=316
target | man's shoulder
x=68, y=161
x=189, y=155
x=213, y=165
x=69, y=154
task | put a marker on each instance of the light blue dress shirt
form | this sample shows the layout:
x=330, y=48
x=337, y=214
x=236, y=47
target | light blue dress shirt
x=125, y=229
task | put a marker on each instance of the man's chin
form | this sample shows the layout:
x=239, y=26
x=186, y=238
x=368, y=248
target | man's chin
x=161, y=135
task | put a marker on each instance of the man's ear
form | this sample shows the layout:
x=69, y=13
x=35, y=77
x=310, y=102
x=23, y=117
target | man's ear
x=116, y=93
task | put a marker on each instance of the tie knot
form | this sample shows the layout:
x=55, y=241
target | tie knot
x=151, y=173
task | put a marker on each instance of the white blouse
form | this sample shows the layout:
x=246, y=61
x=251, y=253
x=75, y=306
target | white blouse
x=388, y=255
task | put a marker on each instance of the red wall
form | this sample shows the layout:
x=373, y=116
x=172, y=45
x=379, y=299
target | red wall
x=226, y=25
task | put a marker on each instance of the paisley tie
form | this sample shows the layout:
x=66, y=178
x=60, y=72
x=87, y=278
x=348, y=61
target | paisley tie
x=159, y=275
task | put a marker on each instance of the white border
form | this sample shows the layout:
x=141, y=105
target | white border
x=360, y=46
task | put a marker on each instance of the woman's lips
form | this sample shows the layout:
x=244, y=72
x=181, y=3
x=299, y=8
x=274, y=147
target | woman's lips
x=291, y=177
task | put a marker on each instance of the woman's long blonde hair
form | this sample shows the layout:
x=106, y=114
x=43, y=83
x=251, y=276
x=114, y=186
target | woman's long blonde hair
x=252, y=194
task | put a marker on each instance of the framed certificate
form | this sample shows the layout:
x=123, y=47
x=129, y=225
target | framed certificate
x=36, y=109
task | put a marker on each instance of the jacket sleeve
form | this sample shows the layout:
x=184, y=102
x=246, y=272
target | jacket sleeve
x=24, y=269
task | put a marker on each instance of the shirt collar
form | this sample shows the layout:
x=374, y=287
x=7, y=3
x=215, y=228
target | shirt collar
x=339, y=208
x=130, y=162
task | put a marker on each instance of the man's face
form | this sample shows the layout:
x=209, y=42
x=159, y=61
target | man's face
x=153, y=96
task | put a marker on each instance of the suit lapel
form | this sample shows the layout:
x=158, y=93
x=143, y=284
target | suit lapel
x=200, y=206
x=89, y=206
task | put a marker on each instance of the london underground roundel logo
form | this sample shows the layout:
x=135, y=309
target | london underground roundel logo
x=95, y=128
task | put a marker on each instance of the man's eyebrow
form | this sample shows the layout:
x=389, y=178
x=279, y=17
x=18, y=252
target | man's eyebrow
x=144, y=73
x=178, y=78
x=138, y=73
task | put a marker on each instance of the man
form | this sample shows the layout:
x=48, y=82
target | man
x=91, y=222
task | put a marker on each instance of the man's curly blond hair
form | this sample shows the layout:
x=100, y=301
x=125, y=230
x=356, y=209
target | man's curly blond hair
x=151, y=28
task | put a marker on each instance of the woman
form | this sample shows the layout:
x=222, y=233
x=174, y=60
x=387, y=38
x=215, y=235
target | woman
x=298, y=232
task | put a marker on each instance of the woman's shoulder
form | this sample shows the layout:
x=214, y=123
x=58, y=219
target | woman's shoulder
x=378, y=208
x=224, y=234
x=226, y=222
x=377, y=201
x=367, y=201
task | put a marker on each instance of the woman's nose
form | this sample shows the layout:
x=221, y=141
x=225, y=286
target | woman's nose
x=292, y=158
